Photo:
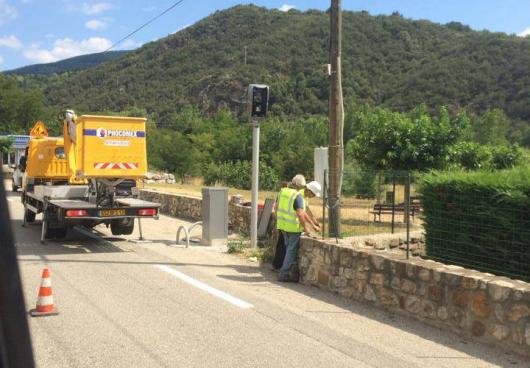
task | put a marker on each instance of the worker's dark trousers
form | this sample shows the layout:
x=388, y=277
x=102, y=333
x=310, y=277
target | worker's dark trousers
x=279, y=253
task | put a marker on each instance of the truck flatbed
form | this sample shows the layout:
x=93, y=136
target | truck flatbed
x=134, y=202
x=72, y=204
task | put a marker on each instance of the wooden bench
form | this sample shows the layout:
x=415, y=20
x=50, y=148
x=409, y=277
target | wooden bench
x=386, y=209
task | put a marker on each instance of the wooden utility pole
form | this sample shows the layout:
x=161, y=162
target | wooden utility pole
x=336, y=120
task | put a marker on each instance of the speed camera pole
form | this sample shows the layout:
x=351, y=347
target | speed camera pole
x=255, y=186
x=336, y=121
x=258, y=101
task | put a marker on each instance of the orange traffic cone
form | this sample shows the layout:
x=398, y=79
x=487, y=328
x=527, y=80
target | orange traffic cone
x=45, y=305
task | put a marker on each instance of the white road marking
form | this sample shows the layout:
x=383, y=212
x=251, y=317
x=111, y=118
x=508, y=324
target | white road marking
x=209, y=289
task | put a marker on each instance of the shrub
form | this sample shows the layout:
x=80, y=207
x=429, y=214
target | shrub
x=361, y=184
x=236, y=246
x=479, y=219
x=474, y=156
x=239, y=175
x=505, y=157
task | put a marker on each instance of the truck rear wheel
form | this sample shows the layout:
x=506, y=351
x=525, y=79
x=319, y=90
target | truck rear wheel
x=60, y=233
x=122, y=226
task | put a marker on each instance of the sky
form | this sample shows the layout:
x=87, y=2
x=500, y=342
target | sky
x=42, y=31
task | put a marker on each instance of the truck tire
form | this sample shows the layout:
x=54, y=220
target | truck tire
x=122, y=226
x=30, y=216
x=50, y=233
x=60, y=233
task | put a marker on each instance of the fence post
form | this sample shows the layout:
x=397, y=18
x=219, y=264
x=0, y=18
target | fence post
x=407, y=207
x=324, y=198
x=393, y=201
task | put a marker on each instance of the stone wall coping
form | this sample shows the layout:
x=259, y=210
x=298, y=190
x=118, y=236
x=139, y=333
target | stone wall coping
x=188, y=196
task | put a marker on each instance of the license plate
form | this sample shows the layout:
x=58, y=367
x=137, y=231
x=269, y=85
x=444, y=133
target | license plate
x=109, y=213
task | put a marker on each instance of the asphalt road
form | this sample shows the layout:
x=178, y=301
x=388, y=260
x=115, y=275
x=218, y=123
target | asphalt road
x=126, y=304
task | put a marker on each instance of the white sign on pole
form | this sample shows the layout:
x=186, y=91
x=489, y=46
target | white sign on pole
x=321, y=164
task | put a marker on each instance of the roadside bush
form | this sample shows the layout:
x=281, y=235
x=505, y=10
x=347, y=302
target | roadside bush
x=505, y=157
x=236, y=246
x=475, y=156
x=361, y=184
x=239, y=175
x=479, y=219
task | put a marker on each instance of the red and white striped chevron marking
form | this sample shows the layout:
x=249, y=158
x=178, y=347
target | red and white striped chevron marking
x=114, y=166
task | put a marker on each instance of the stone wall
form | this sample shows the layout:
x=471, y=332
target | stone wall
x=190, y=208
x=177, y=205
x=491, y=309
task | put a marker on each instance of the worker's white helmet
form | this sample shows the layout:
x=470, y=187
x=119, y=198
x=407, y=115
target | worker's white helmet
x=299, y=180
x=315, y=187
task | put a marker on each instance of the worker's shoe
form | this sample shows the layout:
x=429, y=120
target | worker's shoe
x=294, y=273
x=284, y=279
x=292, y=276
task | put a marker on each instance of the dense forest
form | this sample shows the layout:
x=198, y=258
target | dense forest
x=418, y=95
x=388, y=61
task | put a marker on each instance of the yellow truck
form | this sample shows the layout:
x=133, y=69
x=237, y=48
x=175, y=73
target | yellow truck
x=88, y=176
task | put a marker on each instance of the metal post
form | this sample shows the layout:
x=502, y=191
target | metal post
x=24, y=221
x=140, y=229
x=324, y=199
x=407, y=217
x=44, y=225
x=255, y=186
x=393, y=202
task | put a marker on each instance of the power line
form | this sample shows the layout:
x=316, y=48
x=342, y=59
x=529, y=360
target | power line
x=144, y=25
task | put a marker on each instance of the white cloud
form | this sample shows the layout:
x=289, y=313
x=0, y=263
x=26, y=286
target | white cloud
x=1, y=60
x=66, y=48
x=286, y=7
x=10, y=41
x=91, y=9
x=524, y=33
x=7, y=12
x=96, y=25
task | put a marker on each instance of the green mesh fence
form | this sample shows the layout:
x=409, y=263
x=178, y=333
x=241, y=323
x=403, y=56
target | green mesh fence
x=479, y=220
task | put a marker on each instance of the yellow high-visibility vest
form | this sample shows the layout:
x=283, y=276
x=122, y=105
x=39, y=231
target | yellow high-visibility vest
x=286, y=218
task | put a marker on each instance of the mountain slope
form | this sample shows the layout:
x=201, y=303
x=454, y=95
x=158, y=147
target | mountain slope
x=387, y=60
x=68, y=65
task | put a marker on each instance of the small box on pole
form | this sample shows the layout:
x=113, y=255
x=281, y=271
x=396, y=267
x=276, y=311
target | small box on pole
x=258, y=102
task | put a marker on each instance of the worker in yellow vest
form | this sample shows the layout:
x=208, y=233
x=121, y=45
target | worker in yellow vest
x=292, y=220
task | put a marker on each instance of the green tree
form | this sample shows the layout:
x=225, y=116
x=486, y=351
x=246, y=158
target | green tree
x=491, y=128
x=388, y=140
x=5, y=146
